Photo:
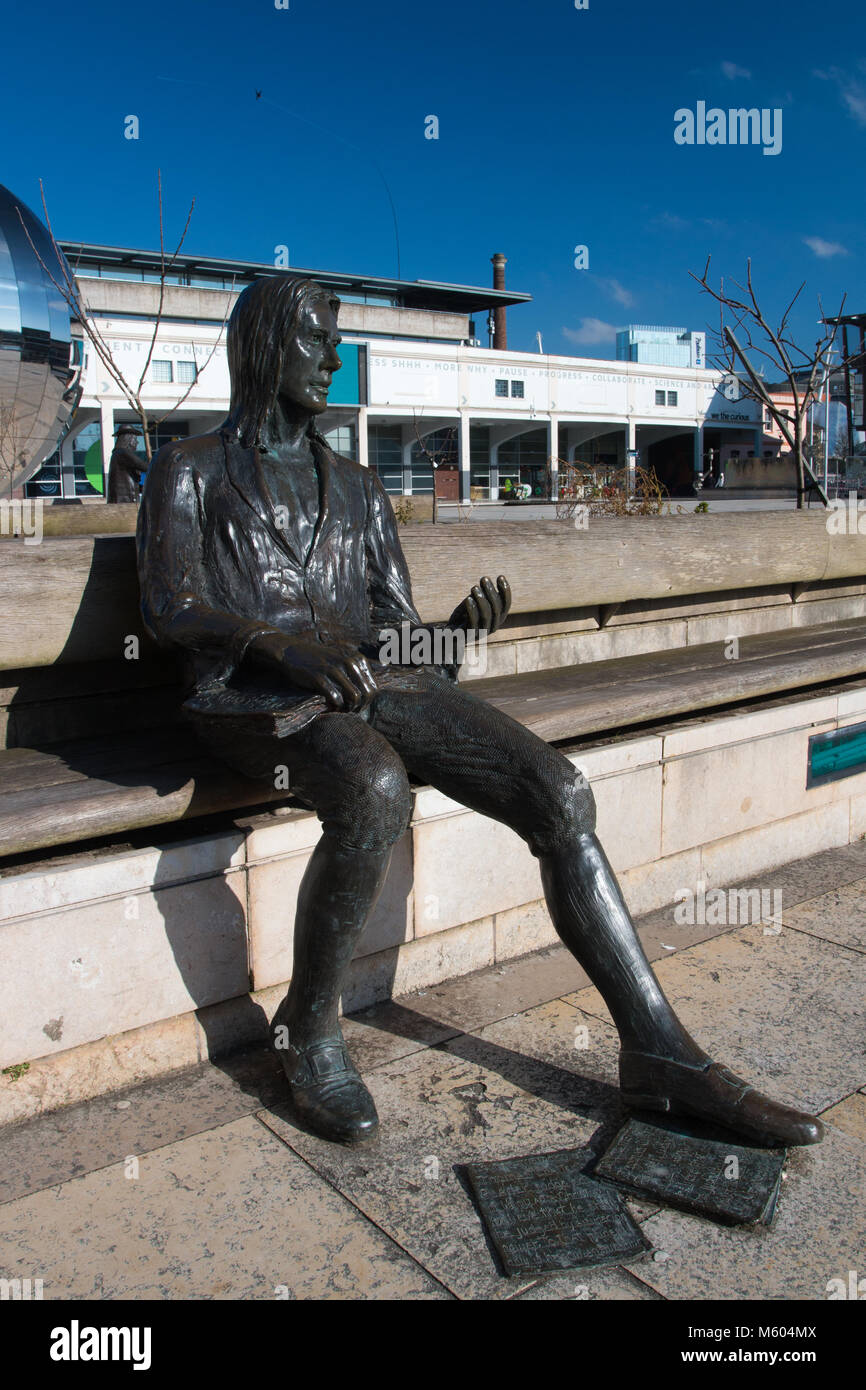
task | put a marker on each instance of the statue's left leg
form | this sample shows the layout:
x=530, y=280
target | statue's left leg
x=484, y=759
x=661, y=1066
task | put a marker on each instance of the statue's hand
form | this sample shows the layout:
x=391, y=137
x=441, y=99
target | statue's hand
x=335, y=671
x=485, y=608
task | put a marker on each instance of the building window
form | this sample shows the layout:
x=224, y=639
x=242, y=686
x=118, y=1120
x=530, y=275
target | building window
x=517, y=389
x=47, y=482
x=442, y=446
x=186, y=372
x=501, y=387
x=160, y=371
x=386, y=455
x=342, y=440
x=672, y=397
x=660, y=397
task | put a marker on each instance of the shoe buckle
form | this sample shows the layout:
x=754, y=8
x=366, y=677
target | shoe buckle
x=329, y=1059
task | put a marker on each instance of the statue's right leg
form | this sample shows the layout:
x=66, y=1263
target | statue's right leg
x=359, y=789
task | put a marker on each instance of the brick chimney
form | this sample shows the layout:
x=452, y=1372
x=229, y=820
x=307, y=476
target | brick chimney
x=500, y=332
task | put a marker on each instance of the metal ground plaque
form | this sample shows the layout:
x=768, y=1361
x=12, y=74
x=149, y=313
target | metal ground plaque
x=544, y=1215
x=726, y=1182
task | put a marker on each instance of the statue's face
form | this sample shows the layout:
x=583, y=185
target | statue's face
x=311, y=359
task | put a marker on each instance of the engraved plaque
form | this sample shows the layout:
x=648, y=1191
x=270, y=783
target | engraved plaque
x=728, y=1183
x=544, y=1215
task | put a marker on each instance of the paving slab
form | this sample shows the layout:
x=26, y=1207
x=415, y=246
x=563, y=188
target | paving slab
x=574, y=1042
x=471, y=1001
x=587, y=1286
x=838, y=915
x=802, y=879
x=438, y=1109
x=557, y=1033
x=230, y=1214
x=97, y=1133
x=498, y=991
x=849, y=1115
x=796, y=883
x=817, y=1236
x=784, y=1011
x=518, y=1058
x=394, y=1029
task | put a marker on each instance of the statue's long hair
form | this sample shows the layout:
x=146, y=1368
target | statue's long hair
x=265, y=317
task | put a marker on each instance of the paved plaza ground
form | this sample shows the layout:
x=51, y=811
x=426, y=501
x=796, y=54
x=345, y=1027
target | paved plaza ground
x=197, y=1186
x=545, y=511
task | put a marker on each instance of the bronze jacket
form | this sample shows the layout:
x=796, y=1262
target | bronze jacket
x=218, y=564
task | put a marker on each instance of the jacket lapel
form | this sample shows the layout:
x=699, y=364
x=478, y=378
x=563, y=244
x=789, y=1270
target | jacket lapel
x=247, y=478
x=322, y=455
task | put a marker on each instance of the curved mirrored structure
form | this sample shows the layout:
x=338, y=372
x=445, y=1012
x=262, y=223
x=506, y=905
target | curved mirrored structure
x=37, y=382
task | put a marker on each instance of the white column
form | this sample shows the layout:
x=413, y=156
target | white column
x=409, y=439
x=106, y=422
x=699, y=452
x=553, y=454
x=363, y=442
x=463, y=456
x=630, y=460
x=494, y=472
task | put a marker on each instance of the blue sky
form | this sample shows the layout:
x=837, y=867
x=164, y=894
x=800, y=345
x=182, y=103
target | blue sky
x=555, y=130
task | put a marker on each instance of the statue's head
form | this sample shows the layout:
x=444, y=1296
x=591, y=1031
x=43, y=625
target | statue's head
x=282, y=343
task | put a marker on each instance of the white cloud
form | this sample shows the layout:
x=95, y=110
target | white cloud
x=590, y=331
x=824, y=248
x=851, y=91
x=732, y=71
x=855, y=100
x=672, y=220
x=617, y=291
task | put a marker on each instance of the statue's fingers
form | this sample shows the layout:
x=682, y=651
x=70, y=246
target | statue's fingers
x=504, y=588
x=474, y=621
x=363, y=676
x=352, y=692
x=331, y=691
x=491, y=593
x=484, y=612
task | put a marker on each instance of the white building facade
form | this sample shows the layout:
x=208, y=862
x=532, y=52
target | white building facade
x=416, y=390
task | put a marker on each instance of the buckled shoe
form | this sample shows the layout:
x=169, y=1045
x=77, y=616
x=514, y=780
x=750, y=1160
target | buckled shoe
x=328, y=1095
x=709, y=1091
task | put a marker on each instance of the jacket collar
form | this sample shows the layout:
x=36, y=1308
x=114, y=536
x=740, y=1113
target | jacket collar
x=247, y=477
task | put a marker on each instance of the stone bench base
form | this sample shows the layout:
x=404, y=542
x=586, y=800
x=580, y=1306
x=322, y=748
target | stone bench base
x=122, y=964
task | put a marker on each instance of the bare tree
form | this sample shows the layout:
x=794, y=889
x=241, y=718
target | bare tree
x=842, y=445
x=743, y=330
x=69, y=286
x=12, y=438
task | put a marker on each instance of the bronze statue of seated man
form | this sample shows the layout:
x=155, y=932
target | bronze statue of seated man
x=275, y=565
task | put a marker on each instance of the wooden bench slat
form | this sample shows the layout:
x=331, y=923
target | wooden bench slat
x=109, y=787
x=118, y=756
x=85, y=590
x=90, y=808
x=574, y=701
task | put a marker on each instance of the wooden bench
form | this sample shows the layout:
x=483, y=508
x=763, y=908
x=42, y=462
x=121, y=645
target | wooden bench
x=90, y=741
